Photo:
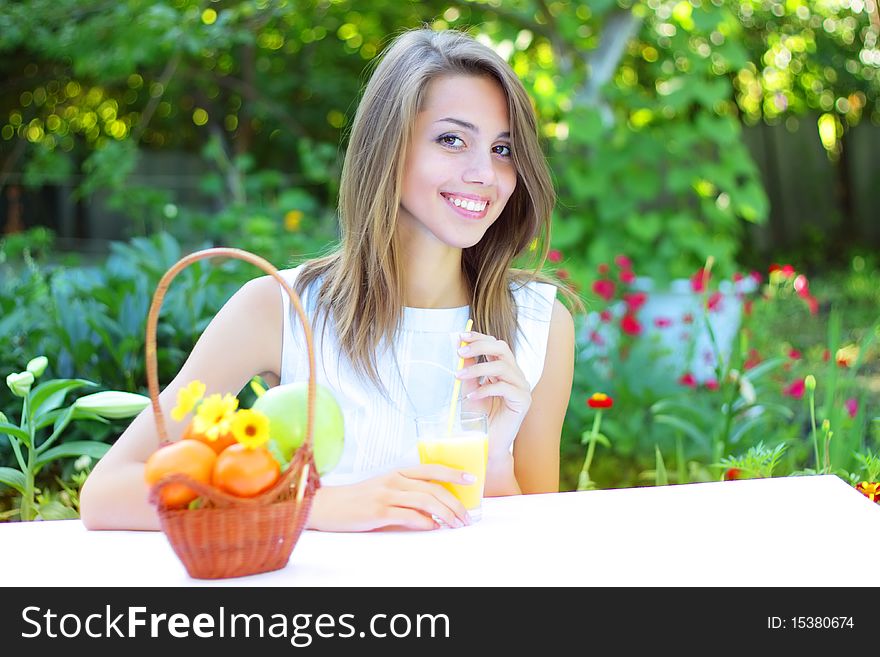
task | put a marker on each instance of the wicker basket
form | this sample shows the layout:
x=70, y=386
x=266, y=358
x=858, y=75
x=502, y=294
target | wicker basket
x=230, y=536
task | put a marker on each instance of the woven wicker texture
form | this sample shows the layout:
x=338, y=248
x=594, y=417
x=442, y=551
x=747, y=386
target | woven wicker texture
x=228, y=536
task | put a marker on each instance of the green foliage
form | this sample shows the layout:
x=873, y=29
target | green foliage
x=757, y=395
x=869, y=467
x=62, y=503
x=91, y=321
x=43, y=412
x=843, y=360
x=809, y=56
x=758, y=461
x=640, y=102
x=640, y=106
x=93, y=318
x=651, y=162
x=26, y=246
x=660, y=476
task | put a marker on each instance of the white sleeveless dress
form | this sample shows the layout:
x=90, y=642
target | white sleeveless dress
x=417, y=373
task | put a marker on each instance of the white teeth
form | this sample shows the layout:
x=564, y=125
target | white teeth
x=472, y=206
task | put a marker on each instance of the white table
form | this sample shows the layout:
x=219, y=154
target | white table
x=786, y=531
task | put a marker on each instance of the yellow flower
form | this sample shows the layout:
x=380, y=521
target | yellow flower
x=215, y=415
x=187, y=398
x=847, y=355
x=871, y=490
x=250, y=428
x=292, y=220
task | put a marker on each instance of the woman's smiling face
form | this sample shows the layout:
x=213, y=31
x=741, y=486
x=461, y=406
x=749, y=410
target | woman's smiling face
x=459, y=171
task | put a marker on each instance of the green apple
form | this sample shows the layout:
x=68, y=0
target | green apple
x=286, y=407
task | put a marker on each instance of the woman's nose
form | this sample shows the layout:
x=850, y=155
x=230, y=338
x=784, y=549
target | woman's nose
x=480, y=169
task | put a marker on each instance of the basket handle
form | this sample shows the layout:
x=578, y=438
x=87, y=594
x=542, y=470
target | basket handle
x=153, y=318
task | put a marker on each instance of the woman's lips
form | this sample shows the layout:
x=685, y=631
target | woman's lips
x=464, y=212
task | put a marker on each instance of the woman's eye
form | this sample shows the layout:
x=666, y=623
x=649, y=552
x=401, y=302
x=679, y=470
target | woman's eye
x=451, y=141
x=503, y=150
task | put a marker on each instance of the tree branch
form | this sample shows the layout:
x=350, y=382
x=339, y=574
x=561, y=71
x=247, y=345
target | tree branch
x=150, y=109
x=8, y=165
x=274, y=109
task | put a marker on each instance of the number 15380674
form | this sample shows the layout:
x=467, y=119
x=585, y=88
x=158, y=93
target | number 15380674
x=810, y=622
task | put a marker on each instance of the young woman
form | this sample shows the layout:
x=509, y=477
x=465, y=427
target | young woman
x=444, y=184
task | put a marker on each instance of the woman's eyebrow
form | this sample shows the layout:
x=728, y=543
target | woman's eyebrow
x=469, y=126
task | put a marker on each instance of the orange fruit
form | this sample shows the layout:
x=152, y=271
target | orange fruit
x=189, y=457
x=223, y=441
x=245, y=472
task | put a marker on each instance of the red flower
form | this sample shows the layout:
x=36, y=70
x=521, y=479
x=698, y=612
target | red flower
x=852, y=407
x=714, y=301
x=753, y=360
x=747, y=307
x=604, y=288
x=795, y=389
x=688, y=380
x=757, y=277
x=794, y=354
x=732, y=473
x=602, y=269
x=662, y=322
x=597, y=339
x=801, y=285
x=812, y=304
x=711, y=384
x=562, y=274
x=600, y=400
x=623, y=262
x=605, y=316
x=554, y=256
x=737, y=277
x=688, y=318
x=869, y=490
x=826, y=356
x=630, y=325
x=787, y=271
x=626, y=276
x=700, y=279
x=635, y=300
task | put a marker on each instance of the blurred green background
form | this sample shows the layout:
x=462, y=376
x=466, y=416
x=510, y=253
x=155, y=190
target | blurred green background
x=131, y=132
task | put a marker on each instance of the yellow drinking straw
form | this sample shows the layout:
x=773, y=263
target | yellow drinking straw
x=457, y=385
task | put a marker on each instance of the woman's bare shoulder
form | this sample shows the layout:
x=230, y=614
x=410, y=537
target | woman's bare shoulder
x=252, y=321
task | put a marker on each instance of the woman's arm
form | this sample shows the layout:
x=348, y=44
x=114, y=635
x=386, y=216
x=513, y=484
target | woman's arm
x=531, y=419
x=245, y=339
x=536, y=448
x=242, y=340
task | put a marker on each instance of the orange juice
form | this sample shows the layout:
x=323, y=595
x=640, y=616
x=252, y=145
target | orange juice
x=463, y=450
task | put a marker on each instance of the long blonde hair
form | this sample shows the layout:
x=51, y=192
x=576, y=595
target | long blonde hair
x=362, y=289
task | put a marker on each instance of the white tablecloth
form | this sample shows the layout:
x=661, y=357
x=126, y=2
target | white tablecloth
x=786, y=531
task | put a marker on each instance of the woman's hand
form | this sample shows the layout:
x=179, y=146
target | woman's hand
x=496, y=386
x=404, y=498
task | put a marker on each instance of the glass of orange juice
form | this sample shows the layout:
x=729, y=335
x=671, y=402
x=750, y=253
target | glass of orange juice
x=462, y=444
